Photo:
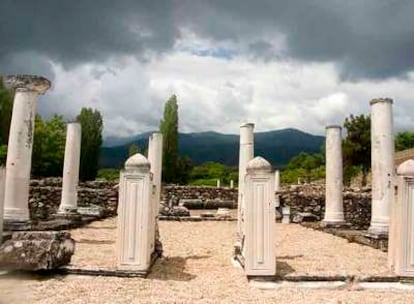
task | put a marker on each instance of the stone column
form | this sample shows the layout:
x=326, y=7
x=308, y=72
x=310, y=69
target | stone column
x=19, y=150
x=382, y=164
x=2, y=181
x=334, y=208
x=218, y=183
x=259, y=245
x=155, y=159
x=277, y=188
x=246, y=153
x=69, y=202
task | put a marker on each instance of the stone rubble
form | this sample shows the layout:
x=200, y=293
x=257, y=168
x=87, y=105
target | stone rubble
x=37, y=250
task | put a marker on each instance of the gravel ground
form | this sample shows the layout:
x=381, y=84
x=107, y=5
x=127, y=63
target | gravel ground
x=196, y=268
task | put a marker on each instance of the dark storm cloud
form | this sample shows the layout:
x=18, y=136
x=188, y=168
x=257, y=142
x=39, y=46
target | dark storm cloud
x=82, y=31
x=369, y=38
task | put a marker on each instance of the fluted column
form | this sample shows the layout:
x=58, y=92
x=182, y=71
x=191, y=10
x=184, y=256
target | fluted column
x=19, y=150
x=334, y=209
x=69, y=202
x=382, y=164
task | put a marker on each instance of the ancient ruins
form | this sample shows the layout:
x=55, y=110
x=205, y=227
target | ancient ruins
x=35, y=230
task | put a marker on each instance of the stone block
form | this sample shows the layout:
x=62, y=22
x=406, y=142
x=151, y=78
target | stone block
x=304, y=217
x=37, y=250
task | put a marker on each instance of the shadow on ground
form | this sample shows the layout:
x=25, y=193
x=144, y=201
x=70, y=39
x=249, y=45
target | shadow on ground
x=283, y=268
x=40, y=275
x=96, y=242
x=173, y=268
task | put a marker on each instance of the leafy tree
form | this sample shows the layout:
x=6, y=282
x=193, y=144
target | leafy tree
x=209, y=172
x=3, y=155
x=169, y=130
x=92, y=125
x=304, y=165
x=6, y=108
x=109, y=174
x=357, y=143
x=404, y=140
x=183, y=170
x=133, y=149
x=48, y=146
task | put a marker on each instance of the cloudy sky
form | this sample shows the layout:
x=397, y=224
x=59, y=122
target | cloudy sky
x=277, y=63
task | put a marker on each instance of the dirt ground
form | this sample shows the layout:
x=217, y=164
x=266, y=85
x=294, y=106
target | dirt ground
x=196, y=268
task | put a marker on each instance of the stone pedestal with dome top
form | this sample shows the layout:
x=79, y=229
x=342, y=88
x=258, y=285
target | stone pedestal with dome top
x=136, y=221
x=401, y=237
x=259, y=235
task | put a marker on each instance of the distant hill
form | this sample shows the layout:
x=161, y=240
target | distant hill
x=278, y=147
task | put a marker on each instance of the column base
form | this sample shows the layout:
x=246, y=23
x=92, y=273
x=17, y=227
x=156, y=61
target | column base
x=69, y=214
x=13, y=225
x=334, y=224
x=378, y=231
x=375, y=233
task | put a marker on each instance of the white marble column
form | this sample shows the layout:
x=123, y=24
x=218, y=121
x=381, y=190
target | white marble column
x=2, y=181
x=334, y=208
x=19, y=150
x=277, y=188
x=69, y=202
x=246, y=153
x=382, y=164
x=155, y=158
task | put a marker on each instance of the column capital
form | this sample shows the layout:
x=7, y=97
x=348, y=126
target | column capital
x=333, y=127
x=381, y=100
x=34, y=83
x=247, y=125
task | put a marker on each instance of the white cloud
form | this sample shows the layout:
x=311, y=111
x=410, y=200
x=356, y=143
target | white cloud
x=216, y=93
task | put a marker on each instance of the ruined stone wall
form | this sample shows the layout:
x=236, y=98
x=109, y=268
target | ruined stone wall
x=197, y=197
x=45, y=196
x=311, y=198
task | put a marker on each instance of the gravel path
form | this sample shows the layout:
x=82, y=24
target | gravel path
x=196, y=268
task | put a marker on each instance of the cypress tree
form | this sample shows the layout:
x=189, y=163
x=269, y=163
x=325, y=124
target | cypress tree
x=169, y=130
x=92, y=125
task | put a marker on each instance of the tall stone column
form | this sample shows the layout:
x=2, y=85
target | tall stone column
x=382, y=164
x=246, y=154
x=277, y=188
x=69, y=202
x=19, y=150
x=334, y=209
x=155, y=158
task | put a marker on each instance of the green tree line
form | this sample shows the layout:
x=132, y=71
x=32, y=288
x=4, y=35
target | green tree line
x=50, y=137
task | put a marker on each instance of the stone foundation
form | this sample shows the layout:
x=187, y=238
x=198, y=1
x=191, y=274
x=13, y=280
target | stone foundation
x=311, y=198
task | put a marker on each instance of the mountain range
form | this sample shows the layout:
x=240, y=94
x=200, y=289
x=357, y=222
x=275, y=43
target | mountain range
x=278, y=147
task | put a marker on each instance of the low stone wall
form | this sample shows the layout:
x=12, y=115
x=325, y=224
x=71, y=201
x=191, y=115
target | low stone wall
x=311, y=198
x=207, y=196
x=45, y=196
